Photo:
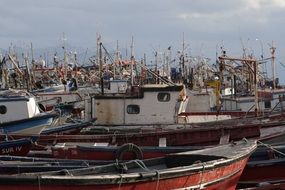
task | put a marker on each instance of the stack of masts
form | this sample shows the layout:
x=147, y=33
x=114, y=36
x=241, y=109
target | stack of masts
x=193, y=71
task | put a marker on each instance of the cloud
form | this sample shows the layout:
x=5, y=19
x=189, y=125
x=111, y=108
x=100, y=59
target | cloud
x=154, y=24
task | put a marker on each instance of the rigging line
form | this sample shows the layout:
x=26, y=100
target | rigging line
x=110, y=57
x=282, y=64
x=155, y=74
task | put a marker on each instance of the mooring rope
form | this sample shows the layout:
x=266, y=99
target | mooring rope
x=158, y=178
x=201, y=176
x=270, y=147
x=121, y=181
x=66, y=171
x=85, y=163
x=130, y=146
x=39, y=182
x=141, y=165
x=18, y=169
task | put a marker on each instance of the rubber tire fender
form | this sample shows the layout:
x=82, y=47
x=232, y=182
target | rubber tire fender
x=129, y=147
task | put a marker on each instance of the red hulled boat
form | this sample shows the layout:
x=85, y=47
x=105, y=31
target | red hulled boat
x=258, y=171
x=212, y=168
x=127, y=151
x=186, y=135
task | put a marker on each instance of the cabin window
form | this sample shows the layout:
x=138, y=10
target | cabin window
x=133, y=109
x=3, y=109
x=163, y=97
x=267, y=104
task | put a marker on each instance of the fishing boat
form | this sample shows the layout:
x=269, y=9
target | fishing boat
x=18, y=147
x=180, y=136
x=21, y=164
x=129, y=151
x=20, y=114
x=211, y=168
x=268, y=157
x=49, y=100
x=140, y=105
x=268, y=185
x=101, y=151
x=70, y=128
x=261, y=164
x=233, y=88
x=136, y=108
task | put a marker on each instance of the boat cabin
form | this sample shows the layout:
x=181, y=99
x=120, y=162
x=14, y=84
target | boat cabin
x=268, y=100
x=16, y=106
x=148, y=104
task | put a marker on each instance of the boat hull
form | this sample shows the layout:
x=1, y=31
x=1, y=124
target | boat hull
x=225, y=178
x=263, y=171
x=67, y=129
x=262, y=162
x=179, y=137
x=30, y=126
x=266, y=185
x=19, y=147
x=112, y=152
x=212, y=168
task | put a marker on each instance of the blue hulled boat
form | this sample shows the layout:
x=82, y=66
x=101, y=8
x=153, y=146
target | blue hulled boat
x=20, y=114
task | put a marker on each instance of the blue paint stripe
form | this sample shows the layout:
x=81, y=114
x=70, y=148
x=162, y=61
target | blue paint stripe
x=27, y=124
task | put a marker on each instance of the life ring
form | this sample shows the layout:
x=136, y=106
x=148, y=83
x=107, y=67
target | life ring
x=129, y=147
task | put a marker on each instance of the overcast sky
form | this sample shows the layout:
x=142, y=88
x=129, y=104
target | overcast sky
x=154, y=24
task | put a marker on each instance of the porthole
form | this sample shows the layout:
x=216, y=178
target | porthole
x=163, y=97
x=3, y=109
x=133, y=109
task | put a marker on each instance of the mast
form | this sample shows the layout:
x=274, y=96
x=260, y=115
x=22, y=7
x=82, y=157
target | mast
x=163, y=64
x=143, y=69
x=76, y=65
x=116, y=61
x=253, y=68
x=168, y=59
x=222, y=66
x=101, y=68
x=65, y=57
x=3, y=71
x=32, y=74
x=28, y=79
x=98, y=40
x=156, y=69
x=182, y=59
x=132, y=61
x=32, y=53
x=272, y=50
